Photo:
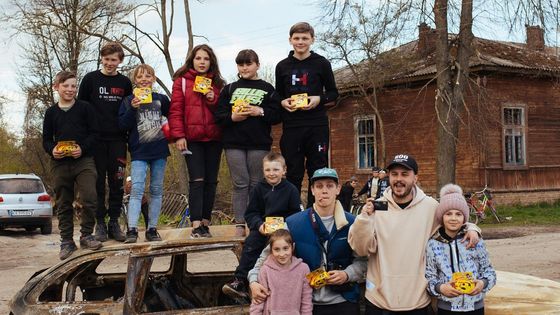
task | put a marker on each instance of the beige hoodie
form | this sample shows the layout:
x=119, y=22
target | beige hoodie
x=395, y=241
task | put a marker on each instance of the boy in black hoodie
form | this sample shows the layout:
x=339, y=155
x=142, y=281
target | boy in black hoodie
x=105, y=89
x=305, y=134
x=272, y=197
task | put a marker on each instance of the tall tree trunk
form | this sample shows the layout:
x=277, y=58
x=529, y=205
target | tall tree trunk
x=448, y=122
x=453, y=69
x=189, y=25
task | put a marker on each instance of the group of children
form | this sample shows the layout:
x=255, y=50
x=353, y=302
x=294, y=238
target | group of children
x=205, y=116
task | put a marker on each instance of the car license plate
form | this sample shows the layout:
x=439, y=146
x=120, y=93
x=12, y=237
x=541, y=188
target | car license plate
x=21, y=213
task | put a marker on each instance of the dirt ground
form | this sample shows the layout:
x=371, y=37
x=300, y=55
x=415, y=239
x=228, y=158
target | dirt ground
x=533, y=250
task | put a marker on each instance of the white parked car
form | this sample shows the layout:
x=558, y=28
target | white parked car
x=24, y=203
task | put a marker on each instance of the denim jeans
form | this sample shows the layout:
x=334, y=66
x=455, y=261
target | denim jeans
x=245, y=167
x=139, y=170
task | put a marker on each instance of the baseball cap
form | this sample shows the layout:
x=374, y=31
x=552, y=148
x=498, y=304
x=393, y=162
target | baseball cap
x=405, y=161
x=324, y=173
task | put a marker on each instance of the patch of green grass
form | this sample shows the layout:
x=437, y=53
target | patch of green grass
x=166, y=220
x=537, y=214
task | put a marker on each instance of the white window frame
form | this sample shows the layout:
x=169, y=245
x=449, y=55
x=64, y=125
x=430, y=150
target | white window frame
x=357, y=136
x=514, y=152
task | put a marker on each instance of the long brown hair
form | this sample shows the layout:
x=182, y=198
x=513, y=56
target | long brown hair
x=214, y=69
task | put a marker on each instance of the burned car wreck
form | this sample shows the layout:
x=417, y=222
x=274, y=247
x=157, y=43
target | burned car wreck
x=175, y=276
x=184, y=276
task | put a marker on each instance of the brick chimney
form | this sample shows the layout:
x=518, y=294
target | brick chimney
x=426, y=39
x=535, y=37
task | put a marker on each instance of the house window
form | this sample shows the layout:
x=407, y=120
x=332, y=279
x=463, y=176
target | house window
x=365, y=133
x=515, y=153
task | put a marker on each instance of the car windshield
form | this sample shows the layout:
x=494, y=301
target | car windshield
x=20, y=186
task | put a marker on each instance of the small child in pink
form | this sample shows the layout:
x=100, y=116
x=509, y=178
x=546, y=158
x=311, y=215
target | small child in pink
x=284, y=277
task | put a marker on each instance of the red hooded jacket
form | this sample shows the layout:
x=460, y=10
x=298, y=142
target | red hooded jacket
x=191, y=114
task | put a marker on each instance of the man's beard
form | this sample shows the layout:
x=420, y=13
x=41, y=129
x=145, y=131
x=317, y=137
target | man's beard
x=407, y=191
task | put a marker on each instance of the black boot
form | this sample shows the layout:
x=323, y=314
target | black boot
x=100, y=231
x=114, y=231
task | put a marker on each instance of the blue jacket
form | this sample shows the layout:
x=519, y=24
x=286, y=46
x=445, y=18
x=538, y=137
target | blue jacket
x=143, y=126
x=309, y=249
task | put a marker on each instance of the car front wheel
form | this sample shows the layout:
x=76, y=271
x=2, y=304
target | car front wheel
x=46, y=228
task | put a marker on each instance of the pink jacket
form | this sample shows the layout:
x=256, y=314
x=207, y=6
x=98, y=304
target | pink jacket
x=290, y=293
x=191, y=115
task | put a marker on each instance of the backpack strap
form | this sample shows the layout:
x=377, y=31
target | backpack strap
x=184, y=85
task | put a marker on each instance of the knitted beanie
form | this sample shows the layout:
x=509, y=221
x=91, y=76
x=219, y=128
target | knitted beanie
x=451, y=198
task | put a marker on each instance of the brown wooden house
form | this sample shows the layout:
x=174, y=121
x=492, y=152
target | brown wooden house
x=509, y=139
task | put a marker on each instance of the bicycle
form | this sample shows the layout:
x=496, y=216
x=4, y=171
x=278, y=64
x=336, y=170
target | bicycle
x=186, y=216
x=479, y=203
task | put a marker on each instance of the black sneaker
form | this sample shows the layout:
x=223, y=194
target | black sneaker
x=101, y=231
x=114, y=231
x=131, y=235
x=198, y=232
x=152, y=235
x=206, y=231
x=66, y=249
x=236, y=289
x=89, y=242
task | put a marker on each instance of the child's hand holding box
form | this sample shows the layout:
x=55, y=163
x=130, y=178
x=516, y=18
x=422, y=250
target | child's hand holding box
x=143, y=94
x=463, y=281
x=272, y=224
x=202, y=84
x=299, y=100
x=66, y=147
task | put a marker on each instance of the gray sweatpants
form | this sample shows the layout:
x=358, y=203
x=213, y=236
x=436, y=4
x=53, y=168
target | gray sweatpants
x=245, y=167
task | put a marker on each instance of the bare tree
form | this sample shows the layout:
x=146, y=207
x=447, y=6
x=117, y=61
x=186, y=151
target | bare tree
x=357, y=36
x=139, y=43
x=52, y=42
x=452, y=65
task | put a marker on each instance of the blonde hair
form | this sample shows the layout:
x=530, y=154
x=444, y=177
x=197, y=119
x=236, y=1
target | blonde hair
x=275, y=157
x=141, y=68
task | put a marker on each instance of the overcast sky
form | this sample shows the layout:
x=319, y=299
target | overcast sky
x=228, y=27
